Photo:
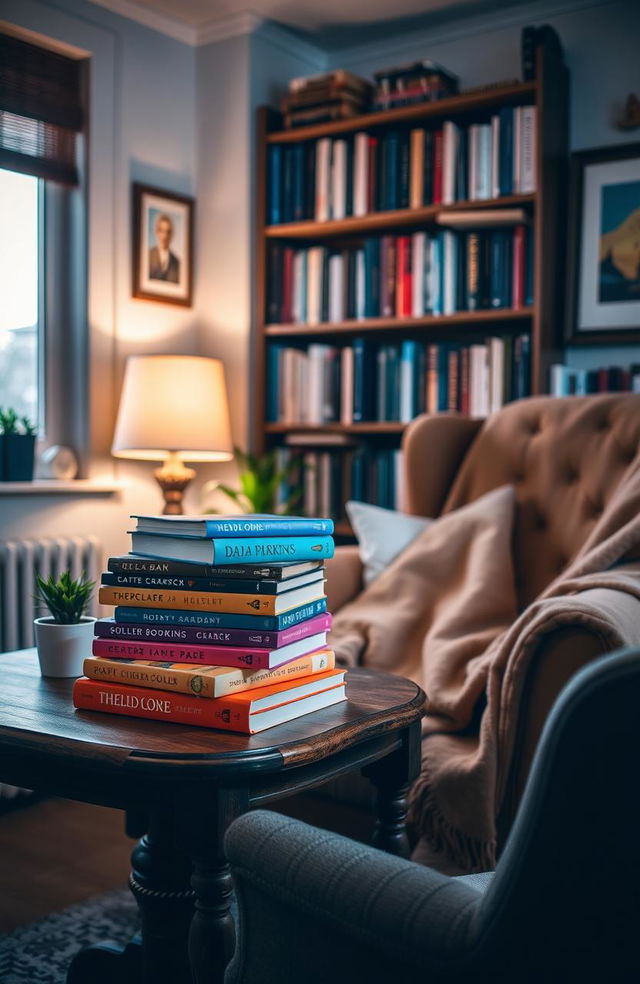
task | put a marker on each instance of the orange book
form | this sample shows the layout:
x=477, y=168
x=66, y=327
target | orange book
x=247, y=712
x=210, y=601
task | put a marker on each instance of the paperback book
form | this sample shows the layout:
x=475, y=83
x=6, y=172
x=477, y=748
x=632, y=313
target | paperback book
x=210, y=601
x=108, y=628
x=227, y=620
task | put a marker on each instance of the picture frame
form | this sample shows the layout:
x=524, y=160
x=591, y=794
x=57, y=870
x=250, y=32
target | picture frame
x=162, y=245
x=603, y=304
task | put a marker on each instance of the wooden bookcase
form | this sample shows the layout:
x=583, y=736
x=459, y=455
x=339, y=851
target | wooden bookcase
x=546, y=210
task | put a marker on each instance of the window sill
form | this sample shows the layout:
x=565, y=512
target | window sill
x=50, y=486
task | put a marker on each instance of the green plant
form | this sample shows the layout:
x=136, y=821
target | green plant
x=8, y=421
x=66, y=599
x=261, y=479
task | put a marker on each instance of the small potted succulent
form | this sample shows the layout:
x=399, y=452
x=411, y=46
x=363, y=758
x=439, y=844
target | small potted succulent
x=64, y=637
x=266, y=486
x=18, y=446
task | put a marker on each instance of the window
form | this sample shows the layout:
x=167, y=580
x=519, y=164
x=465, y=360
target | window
x=43, y=240
x=20, y=282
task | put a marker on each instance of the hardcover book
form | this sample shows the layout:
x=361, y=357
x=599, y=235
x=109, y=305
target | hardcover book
x=131, y=564
x=239, y=550
x=210, y=601
x=172, y=616
x=203, y=681
x=168, y=652
x=223, y=585
x=108, y=628
x=255, y=525
x=246, y=713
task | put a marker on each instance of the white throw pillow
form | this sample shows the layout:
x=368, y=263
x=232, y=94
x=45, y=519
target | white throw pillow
x=382, y=534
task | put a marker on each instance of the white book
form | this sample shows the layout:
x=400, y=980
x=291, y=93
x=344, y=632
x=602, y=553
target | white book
x=315, y=258
x=483, y=184
x=399, y=484
x=450, y=278
x=473, y=152
x=517, y=148
x=406, y=390
x=338, y=188
x=450, y=138
x=323, y=179
x=336, y=287
x=360, y=173
x=297, y=286
x=315, y=354
x=286, y=389
x=346, y=385
x=496, y=374
x=495, y=156
x=418, y=250
x=303, y=386
x=360, y=284
x=329, y=359
x=528, y=150
x=558, y=380
x=478, y=381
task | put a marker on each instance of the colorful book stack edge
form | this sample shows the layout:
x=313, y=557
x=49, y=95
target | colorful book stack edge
x=218, y=623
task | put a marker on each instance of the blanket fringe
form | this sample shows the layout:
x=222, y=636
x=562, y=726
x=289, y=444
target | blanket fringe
x=425, y=816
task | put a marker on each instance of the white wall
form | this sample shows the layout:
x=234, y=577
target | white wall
x=143, y=126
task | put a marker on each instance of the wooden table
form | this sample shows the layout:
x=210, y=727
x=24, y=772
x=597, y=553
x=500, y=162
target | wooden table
x=183, y=786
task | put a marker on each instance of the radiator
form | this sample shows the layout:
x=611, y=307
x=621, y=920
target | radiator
x=20, y=561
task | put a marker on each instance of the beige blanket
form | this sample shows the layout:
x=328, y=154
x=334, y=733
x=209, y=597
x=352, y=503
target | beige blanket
x=444, y=613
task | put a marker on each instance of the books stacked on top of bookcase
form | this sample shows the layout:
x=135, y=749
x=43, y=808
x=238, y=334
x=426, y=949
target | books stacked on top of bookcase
x=606, y=379
x=391, y=276
x=373, y=381
x=218, y=623
x=330, y=96
x=421, y=81
x=401, y=168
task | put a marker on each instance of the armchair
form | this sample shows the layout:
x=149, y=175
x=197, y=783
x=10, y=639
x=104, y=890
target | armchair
x=562, y=905
x=565, y=457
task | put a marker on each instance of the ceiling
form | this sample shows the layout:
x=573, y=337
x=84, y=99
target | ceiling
x=319, y=17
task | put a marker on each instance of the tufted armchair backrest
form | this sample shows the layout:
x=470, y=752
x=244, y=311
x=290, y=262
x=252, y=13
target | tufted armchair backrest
x=565, y=458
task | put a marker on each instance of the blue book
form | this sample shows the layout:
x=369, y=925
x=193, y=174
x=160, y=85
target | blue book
x=528, y=266
x=263, y=623
x=237, y=550
x=443, y=378
x=363, y=381
x=499, y=269
x=287, y=184
x=505, y=155
x=408, y=382
x=274, y=167
x=299, y=168
x=251, y=525
x=371, y=278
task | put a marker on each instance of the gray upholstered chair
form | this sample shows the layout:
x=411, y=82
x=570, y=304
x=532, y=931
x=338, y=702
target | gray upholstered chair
x=563, y=905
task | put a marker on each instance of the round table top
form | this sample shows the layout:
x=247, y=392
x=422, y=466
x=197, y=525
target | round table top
x=37, y=717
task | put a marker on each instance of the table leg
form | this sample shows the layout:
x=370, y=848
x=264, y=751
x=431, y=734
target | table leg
x=159, y=881
x=212, y=935
x=392, y=777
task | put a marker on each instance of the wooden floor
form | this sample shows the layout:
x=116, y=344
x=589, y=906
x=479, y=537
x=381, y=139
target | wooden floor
x=54, y=853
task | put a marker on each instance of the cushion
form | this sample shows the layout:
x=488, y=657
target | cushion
x=381, y=534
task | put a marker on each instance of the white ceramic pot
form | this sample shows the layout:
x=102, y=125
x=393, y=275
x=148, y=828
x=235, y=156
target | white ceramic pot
x=62, y=649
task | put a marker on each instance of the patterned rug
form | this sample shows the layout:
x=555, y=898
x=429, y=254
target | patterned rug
x=41, y=952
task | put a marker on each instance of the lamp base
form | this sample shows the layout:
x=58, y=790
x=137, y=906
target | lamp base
x=173, y=479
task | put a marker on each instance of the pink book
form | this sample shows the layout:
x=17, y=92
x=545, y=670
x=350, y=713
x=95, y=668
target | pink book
x=164, y=652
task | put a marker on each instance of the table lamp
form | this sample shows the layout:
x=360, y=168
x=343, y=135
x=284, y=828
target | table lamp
x=173, y=408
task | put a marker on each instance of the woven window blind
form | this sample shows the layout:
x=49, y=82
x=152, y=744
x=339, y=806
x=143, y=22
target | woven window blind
x=40, y=110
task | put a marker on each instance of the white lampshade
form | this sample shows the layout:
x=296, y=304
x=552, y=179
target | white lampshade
x=173, y=403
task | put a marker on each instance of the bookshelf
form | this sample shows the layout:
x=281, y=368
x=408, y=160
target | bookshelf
x=540, y=317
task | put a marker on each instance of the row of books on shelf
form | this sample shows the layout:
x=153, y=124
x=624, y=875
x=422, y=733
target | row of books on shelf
x=565, y=381
x=356, y=174
x=368, y=381
x=331, y=476
x=402, y=276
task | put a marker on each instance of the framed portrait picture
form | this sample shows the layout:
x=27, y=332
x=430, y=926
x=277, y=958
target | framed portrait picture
x=162, y=246
x=604, y=247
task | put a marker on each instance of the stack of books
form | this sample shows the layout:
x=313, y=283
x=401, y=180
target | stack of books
x=220, y=623
x=402, y=167
x=370, y=381
x=421, y=81
x=320, y=98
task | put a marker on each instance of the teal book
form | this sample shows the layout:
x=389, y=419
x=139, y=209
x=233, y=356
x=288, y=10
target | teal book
x=236, y=550
x=249, y=524
x=226, y=620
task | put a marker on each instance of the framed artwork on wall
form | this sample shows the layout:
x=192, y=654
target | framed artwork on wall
x=162, y=245
x=604, y=246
